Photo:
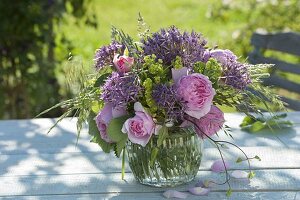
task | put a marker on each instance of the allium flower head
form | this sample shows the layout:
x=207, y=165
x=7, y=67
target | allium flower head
x=166, y=98
x=120, y=90
x=104, y=56
x=169, y=43
x=235, y=73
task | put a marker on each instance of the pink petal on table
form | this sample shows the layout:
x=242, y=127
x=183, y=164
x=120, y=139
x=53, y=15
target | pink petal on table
x=239, y=174
x=199, y=191
x=218, y=166
x=174, y=194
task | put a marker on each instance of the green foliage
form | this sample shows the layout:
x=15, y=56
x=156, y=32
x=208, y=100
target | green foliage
x=177, y=64
x=211, y=69
x=251, y=174
x=252, y=124
x=30, y=40
x=115, y=134
x=148, y=95
x=162, y=135
x=114, y=129
x=271, y=16
x=229, y=192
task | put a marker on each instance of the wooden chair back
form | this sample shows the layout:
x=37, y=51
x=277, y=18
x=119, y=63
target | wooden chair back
x=288, y=43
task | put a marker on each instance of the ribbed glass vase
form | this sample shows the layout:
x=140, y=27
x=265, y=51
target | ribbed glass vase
x=177, y=161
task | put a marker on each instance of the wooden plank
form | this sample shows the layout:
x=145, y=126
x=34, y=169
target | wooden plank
x=266, y=180
x=99, y=162
x=282, y=83
x=288, y=42
x=255, y=58
x=292, y=104
x=158, y=195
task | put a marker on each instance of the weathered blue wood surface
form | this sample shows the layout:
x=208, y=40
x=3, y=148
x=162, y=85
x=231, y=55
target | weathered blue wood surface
x=34, y=165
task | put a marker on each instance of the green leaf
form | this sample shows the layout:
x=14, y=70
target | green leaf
x=154, y=153
x=257, y=126
x=229, y=192
x=247, y=121
x=239, y=160
x=114, y=129
x=120, y=146
x=251, y=174
x=101, y=79
x=258, y=158
x=162, y=135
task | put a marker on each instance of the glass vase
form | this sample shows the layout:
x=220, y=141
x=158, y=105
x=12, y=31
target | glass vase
x=176, y=162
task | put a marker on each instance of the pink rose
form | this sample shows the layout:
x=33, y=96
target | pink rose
x=140, y=127
x=123, y=63
x=211, y=123
x=197, y=93
x=104, y=116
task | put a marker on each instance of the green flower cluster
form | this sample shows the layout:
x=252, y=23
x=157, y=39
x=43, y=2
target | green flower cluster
x=177, y=64
x=148, y=84
x=154, y=67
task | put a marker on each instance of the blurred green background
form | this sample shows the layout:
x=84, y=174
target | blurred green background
x=36, y=38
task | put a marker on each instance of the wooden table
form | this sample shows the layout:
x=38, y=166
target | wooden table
x=34, y=165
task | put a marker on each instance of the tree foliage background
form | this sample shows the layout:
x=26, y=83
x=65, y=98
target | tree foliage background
x=29, y=42
x=37, y=36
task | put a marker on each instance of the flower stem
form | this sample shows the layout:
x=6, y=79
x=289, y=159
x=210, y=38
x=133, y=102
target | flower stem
x=123, y=164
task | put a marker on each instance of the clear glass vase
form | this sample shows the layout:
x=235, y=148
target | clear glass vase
x=177, y=160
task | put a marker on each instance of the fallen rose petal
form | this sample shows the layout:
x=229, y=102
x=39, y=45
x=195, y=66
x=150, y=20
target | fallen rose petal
x=199, y=191
x=218, y=166
x=239, y=174
x=174, y=194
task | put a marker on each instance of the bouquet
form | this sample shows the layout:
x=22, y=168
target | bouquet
x=141, y=90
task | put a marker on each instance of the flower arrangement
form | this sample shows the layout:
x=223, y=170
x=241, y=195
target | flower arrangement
x=168, y=79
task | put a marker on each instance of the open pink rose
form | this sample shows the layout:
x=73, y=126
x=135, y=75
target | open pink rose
x=211, y=123
x=140, y=127
x=123, y=63
x=197, y=93
x=104, y=116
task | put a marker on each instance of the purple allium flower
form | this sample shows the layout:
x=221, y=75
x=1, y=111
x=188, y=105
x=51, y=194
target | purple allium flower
x=167, y=44
x=120, y=90
x=235, y=73
x=104, y=56
x=166, y=98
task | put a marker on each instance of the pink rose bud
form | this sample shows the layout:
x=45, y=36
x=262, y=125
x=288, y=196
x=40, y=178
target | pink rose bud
x=123, y=63
x=197, y=93
x=105, y=116
x=140, y=127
